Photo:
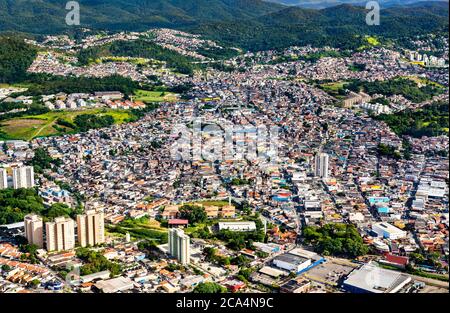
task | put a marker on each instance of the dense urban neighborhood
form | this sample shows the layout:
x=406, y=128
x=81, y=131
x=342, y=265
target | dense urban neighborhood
x=163, y=161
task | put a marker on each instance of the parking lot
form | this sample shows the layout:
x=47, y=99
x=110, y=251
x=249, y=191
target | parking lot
x=329, y=273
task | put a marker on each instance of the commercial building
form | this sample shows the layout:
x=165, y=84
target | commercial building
x=60, y=234
x=95, y=276
x=23, y=177
x=91, y=228
x=291, y=262
x=388, y=231
x=237, y=226
x=34, y=230
x=269, y=248
x=179, y=245
x=119, y=284
x=313, y=209
x=296, y=286
x=373, y=279
x=321, y=162
x=316, y=259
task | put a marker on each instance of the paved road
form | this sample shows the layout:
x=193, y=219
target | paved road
x=431, y=282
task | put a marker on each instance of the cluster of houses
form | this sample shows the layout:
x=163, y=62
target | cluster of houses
x=74, y=101
x=321, y=164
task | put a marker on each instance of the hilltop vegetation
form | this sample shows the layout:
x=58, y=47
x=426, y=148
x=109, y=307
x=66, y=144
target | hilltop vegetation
x=48, y=16
x=399, y=86
x=342, y=26
x=432, y=120
x=139, y=48
x=15, y=58
x=249, y=24
x=44, y=84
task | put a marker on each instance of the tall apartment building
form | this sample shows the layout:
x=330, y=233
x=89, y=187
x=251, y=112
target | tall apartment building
x=23, y=177
x=179, y=245
x=91, y=228
x=60, y=234
x=34, y=230
x=321, y=161
x=3, y=178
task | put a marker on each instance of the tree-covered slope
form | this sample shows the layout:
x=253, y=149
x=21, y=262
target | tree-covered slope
x=48, y=16
x=250, y=24
x=341, y=26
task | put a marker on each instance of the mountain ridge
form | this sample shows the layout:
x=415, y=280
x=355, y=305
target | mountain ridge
x=248, y=24
x=47, y=16
x=321, y=4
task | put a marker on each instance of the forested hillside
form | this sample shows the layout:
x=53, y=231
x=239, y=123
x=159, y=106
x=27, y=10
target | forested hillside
x=249, y=24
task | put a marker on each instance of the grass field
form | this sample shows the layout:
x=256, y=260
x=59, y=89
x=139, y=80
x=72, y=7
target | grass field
x=22, y=128
x=219, y=203
x=192, y=229
x=155, y=96
x=143, y=228
x=425, y=81
x=151, y=224
x=29, y=127
x=136, y=61
x=333, y=88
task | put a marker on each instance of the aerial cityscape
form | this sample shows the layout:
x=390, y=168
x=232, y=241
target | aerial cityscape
x=224, y=146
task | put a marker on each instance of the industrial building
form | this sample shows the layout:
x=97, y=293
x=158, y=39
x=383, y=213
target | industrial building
x=296, y=286
x=291, y=262
x=237, y=226
x=373, y=279
x=113, y=285
x=388, y=231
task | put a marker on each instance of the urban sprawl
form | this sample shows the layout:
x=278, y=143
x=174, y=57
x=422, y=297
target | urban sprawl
x=336, y=201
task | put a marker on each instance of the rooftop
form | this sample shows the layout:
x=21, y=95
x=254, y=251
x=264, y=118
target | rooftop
x=374, y=279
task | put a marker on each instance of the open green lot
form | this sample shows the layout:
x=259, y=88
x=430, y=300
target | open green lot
x=155, y=96
x=333, y=88
x=424, y=81
x=142, y=228
x=29, y=127
x=219, y=203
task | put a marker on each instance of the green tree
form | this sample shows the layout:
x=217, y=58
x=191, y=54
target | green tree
x=209, y=287
x=194, y=213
